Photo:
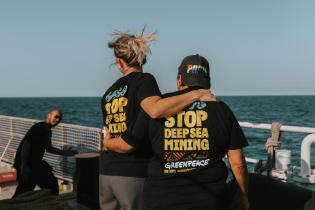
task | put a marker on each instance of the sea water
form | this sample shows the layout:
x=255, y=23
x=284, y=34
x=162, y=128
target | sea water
x=289, y=110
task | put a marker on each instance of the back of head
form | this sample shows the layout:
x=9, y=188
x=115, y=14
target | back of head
x=130, y=48
x=195, y=72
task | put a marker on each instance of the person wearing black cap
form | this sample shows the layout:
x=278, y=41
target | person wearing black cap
x=193, y=72
x=187, y=171
x=121, y=176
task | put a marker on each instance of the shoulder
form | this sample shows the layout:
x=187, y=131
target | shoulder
x=146, y=75
x=218, y=104
x=223, y=111
x=38, y=126
x=41, y=127
x=38, y=130
x=137, y=76
x=146, y=86
x=220, y=108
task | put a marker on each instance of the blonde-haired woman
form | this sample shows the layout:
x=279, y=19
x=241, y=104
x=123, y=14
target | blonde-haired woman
x=122, y=175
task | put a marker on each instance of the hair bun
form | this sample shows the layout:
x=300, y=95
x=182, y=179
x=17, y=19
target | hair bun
x=132, y=49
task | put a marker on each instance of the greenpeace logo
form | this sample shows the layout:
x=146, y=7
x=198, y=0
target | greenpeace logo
x=195, y=69
x=187, y=164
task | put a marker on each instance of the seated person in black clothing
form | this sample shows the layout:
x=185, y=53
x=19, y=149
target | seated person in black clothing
x=187, y=171
x=31, y=169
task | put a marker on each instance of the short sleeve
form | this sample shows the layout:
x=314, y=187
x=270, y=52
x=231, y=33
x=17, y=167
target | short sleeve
x=139, y=132
x=147, y=87
x=237, y=137
x=103, y=110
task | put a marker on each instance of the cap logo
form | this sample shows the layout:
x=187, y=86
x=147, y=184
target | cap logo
x=196, y=69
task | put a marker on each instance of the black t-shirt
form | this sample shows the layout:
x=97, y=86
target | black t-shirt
x=120, y=107
x=38, y=137
x=187, y=167
x=34, y=144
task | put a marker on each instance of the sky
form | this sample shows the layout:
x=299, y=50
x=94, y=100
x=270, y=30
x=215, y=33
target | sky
x=59, y=48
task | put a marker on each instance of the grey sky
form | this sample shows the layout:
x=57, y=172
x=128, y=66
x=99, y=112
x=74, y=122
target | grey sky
x=58, y=48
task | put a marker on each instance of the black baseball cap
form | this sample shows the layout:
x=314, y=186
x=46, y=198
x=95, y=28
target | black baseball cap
x=195, y=71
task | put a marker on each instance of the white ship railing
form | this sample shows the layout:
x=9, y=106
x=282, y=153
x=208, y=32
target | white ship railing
x=296, y=129
x=304, y=172
x=13, y=129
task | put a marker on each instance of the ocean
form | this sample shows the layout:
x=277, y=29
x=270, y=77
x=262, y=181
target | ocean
x=289, y=110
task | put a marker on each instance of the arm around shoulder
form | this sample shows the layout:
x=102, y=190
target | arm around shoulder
x=157, y=107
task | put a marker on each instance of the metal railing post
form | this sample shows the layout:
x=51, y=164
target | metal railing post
x=306, y=155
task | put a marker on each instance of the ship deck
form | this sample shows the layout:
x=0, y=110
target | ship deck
x=281, y=191
x=7, y=189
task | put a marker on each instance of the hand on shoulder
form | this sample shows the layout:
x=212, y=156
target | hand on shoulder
x=206, y=95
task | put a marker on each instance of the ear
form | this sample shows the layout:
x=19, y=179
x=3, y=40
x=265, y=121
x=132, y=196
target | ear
x=48, y=117
x=179, y=82
x=120, y=63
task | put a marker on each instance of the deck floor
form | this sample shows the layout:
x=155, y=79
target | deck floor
x=8, y=189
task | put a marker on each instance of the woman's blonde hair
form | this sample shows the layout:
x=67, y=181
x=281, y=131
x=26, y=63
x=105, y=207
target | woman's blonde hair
x=130, y=48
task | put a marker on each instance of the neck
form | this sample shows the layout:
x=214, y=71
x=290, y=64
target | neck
x=47, y=123
x=129, y=70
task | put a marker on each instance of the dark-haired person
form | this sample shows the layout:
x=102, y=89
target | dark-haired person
x=187, y=171
x=31, y=169
x=122, y=175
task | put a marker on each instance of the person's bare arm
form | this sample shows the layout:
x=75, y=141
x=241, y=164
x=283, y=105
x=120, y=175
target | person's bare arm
x=239, y=169
x=117, y=145
x=156, y=107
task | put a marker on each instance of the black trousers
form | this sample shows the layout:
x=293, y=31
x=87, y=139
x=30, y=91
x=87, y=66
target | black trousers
x=40, y=175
